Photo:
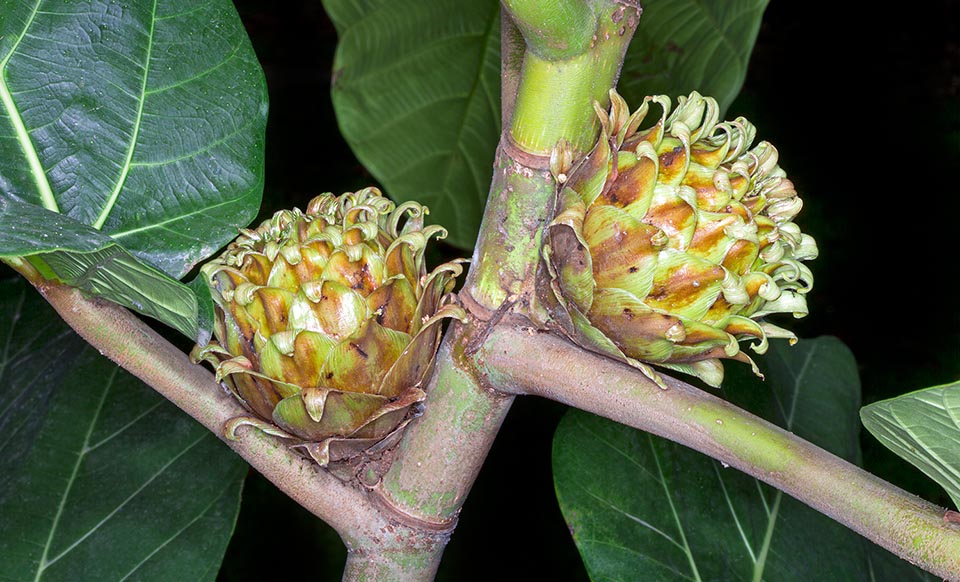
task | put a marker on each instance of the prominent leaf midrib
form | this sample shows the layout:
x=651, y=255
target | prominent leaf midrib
x=23, y=136
x=123, y=428
x=125, y=169
x=42, y=564
x=641, y=555
x=761, y=560
x=733, y=513
x=606, y=442
x=761, y=563
x=120, y=234
x=635, y=519
x=796, y=386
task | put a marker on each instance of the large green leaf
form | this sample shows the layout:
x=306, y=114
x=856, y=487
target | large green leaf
x=686, y=45
x=83, y=257
x=142, y=119
x=100, y=477
x=416, y=90
x=416, y=86
x=664, y=512
x=923, y=427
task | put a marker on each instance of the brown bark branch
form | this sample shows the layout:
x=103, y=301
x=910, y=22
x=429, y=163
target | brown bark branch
x=362, y=521
x=520, y=360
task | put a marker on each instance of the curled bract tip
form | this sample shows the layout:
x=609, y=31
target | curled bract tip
x=672, y=239
x=328, y=321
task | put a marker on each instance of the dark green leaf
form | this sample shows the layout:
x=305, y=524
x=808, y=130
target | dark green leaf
x=641, y=507
x=417, y=95
x=142, y=119
x=923, y=427
x=83, y=257
x=686, y=45
x=100, y=477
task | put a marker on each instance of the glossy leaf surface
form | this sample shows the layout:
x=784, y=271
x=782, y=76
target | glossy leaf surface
x=83, y=257
x=144, y=120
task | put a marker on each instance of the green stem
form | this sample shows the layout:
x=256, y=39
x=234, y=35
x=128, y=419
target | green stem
x=512, y=49
x=416, y=559
x=125, y=339
x=545, y=365
x=507, y=253
x=554, y=29
x=556, y=96
x=442, y=451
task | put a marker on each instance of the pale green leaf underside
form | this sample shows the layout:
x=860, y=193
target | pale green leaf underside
x=641, y=507
x=82, y=257
x=923, y=427
x=686, y=45
x=142, y=119
x=417, y=95
x=100, y=477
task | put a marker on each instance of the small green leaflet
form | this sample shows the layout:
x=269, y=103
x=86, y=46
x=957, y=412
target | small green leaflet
x=923, y=427
x=83, y=257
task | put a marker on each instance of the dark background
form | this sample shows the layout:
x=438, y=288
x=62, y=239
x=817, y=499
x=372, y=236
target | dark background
x=862, y=103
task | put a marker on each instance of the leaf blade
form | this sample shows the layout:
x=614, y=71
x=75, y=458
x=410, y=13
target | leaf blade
x=417, y=95
x=82, y=257
x=923, y=427
x=145, y=121
x=687, y=45
x=103, y=476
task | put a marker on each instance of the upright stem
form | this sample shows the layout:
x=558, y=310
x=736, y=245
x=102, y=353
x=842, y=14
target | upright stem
x=554, y=100
x=548, y=366
x=557, y=93
x=554, y=29
x=507, y=253
x=442, y=451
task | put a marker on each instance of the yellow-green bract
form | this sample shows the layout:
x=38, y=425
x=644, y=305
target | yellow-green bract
x=672, y=241
x=328, y=321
